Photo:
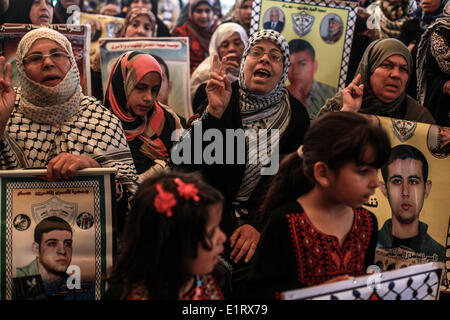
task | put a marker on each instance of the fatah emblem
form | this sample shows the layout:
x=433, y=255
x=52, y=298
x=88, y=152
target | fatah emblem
x=54, y=207
x=302, y=23
x=403, y=129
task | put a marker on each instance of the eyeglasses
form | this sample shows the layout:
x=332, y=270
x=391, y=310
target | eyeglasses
x=56, y=57
x=273, y=54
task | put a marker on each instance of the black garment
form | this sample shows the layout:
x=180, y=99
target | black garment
x=280, y=261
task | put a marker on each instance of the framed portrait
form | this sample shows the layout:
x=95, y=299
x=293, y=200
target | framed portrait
x=413, y=196
x=56, y=237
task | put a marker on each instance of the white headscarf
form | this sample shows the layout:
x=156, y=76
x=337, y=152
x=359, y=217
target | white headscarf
x=48, y=104
x=223, y=32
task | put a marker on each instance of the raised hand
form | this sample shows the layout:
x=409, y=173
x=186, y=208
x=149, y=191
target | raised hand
x=64, y=165
x=244, y=241
x=218, y=89
x=352, y=95
x=7, y=94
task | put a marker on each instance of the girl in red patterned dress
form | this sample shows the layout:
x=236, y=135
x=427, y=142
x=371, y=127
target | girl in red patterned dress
x=171, y=244
x=317, y=230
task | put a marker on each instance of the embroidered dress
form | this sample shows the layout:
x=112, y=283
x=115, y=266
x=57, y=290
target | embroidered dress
x=293, y=253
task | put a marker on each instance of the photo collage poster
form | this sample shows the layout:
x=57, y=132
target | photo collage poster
x=175, y=53
x=408, y=196
x=56, y=237
x=78, y=35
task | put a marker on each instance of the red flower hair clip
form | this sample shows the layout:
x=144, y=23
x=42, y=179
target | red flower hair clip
x=164, y=201
x=187, y=190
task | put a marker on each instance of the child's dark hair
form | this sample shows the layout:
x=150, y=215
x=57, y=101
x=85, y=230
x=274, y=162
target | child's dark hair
x=156, y=246
x=335, y=138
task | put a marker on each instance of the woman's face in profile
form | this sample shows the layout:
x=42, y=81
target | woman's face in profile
x=389, y=80
x=262, y=74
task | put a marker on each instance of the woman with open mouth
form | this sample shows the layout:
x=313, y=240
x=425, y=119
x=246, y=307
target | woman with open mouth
x=380, y=83
x=258, y=100
x=131, y=93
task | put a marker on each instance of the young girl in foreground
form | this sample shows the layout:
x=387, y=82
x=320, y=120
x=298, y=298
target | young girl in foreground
x=317, y=230
x=171, y=242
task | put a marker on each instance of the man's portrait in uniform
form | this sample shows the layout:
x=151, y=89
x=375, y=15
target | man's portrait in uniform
x=406, y=186
x=303, y=86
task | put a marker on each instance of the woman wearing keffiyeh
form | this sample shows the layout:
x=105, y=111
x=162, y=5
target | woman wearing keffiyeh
x=257, y=101
x=133, y=86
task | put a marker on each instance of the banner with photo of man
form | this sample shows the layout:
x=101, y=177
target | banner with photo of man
x=56, y=237
x=320, y=35
x=173, y=56
x=412, y=204
x=78, y=35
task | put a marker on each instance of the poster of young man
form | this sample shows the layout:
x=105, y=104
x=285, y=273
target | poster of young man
x=412, y=202
x=173, y=56
x=56, y=236
x=319, y=34
x=78, y=35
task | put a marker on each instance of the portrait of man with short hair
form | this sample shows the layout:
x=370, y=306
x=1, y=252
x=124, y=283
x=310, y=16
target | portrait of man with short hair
x=276, y=22
x=406, y=186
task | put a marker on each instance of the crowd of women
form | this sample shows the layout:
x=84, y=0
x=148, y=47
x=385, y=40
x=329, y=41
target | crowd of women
x=222, y=230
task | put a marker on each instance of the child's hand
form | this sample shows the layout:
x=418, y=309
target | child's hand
x=244, y=241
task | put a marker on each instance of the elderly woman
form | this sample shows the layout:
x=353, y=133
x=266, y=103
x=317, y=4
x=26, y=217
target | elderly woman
x=133, y=87
x=199, y=28
x=48, y=122
x=140, y=22
x=379, y=87
x=228, y=41
x=257, y=103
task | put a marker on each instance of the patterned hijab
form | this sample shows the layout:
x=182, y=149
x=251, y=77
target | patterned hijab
x=133, y=14
x=375, y=54
x=128, y=70
x=48, y=104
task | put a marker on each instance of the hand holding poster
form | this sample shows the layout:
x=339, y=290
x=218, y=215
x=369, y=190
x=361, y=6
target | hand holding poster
x=320, y=34
x=56, y=237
